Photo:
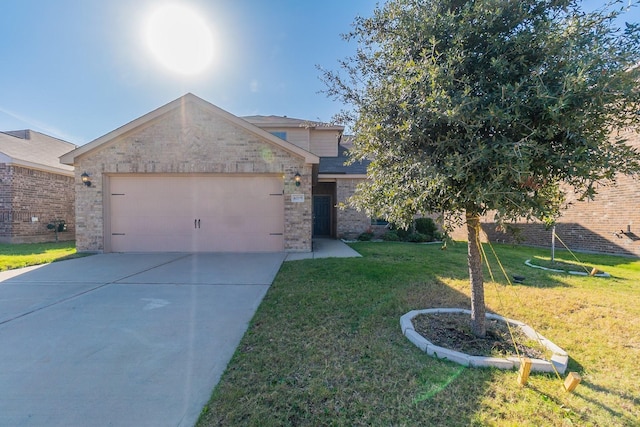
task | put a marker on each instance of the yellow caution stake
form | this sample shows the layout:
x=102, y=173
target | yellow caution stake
x=572, y=381
x=525, y=369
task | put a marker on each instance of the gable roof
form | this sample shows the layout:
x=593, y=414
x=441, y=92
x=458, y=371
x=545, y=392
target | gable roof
x=70, y=158
x=34, y=150
x=288, y=122
x=336, y=165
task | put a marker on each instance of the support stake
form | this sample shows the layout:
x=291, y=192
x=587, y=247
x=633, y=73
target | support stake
x=525, y=369
x=572, y=381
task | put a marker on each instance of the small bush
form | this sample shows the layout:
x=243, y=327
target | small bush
x=391, y=236
x=426, y=226
x=418, y=238
x=402, y=233
x=366, y=236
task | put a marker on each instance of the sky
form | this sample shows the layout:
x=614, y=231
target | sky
x=78, y=69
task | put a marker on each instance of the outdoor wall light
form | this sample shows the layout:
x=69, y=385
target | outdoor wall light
x=85, y=179
x=297, y=178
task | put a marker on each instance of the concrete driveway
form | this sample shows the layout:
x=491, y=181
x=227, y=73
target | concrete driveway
x=123, y=339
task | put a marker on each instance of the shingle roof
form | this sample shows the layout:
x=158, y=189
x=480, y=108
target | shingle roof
x=284, y=121
x=336, y=165
x=33, y=149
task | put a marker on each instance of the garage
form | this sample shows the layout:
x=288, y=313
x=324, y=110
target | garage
x=191, y=177
x=195, y=213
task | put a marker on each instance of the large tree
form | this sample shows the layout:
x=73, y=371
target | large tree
x=469, y=107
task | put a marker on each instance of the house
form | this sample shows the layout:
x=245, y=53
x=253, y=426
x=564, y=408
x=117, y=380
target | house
x=191, y=177
x=608, y=224
x=35, y=189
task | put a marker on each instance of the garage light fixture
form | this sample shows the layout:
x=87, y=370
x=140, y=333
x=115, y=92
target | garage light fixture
x=85, y=179
x=297, y=178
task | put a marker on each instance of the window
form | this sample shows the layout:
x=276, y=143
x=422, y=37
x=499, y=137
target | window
x=281, y=135
x=379, y=221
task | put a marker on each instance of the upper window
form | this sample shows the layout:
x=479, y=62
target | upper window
x=281, y=135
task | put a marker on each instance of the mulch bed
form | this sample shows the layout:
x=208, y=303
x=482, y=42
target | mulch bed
x=453, y=331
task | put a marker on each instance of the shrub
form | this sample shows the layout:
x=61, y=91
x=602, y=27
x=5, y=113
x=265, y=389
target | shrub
x=391, y=236
x=418, y=238
x=402, y=233
x=366, y=236
x=426, y=226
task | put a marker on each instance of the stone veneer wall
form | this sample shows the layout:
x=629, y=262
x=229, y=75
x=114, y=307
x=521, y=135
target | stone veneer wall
x=26, y=194
x=610, y=223
x=350, y=222
x=191, y=140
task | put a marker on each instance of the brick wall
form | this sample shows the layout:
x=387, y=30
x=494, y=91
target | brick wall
x=609, y=224
x=350, y=222
x=190, y=140
x=27, y=194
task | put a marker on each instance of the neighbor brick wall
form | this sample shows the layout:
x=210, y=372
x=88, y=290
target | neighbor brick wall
x=588, y=225
x=29, y=193
x=190, y=140
x=350, y=222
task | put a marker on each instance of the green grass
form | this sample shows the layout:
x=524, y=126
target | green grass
x=26, y=254
x=325, y=346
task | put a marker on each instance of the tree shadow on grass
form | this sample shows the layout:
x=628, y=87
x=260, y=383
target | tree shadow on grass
x=447, y=393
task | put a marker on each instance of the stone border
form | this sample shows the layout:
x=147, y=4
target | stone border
x=559, y=359
x=577, y=273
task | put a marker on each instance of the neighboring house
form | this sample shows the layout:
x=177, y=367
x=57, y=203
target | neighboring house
x=610, y=223
x=191, y=177
x=35, y=188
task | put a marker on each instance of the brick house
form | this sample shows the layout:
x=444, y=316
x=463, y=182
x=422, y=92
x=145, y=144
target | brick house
x=35, y=189
x=609, y=224
x=190, y=177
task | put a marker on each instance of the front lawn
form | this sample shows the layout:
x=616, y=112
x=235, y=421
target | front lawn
x=325, y=346
x=28, y=254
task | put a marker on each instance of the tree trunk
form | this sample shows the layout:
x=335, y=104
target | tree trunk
x=474, y=261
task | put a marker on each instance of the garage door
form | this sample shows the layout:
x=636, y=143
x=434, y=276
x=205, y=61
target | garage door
x=196, y=214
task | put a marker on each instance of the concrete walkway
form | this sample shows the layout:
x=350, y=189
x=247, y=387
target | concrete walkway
x=325, y=248
x=123, y=339
x=127, y=339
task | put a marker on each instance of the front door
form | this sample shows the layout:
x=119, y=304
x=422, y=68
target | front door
x=322, y=215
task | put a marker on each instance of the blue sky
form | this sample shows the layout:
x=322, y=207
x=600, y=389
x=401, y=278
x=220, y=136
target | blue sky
x=78, y=69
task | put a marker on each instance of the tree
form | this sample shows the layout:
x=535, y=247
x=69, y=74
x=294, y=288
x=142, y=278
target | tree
x=469, y=107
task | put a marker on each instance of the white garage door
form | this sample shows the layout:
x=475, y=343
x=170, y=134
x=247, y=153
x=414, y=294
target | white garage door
x=196, y=214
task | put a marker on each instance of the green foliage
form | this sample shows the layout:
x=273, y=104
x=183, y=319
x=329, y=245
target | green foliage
x=366, y=236
x=391, y=236
x=427, y=227
x=418, y=238
x=487, y=105
x=402, y=232
x=466, y=107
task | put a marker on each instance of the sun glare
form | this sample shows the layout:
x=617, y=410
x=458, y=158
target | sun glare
x=180, y=39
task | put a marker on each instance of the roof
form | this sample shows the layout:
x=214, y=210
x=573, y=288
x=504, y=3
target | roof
x=336, y=165
x=34, y=150
x=179, y=103
x=289, y=122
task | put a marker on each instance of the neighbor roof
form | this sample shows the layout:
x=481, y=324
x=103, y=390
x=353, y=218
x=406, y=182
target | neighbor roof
x=34, y=150
x=70, y=157
x=288, y=122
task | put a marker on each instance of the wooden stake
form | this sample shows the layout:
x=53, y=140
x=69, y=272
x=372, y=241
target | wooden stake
x=593, y=272
x=525, y=369
x=572, y=381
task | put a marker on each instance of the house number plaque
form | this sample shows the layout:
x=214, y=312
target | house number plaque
x=297, y=198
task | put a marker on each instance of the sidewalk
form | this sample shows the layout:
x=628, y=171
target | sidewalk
x=325, y=248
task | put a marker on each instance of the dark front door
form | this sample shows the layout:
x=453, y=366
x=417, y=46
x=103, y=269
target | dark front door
x=322, y=215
